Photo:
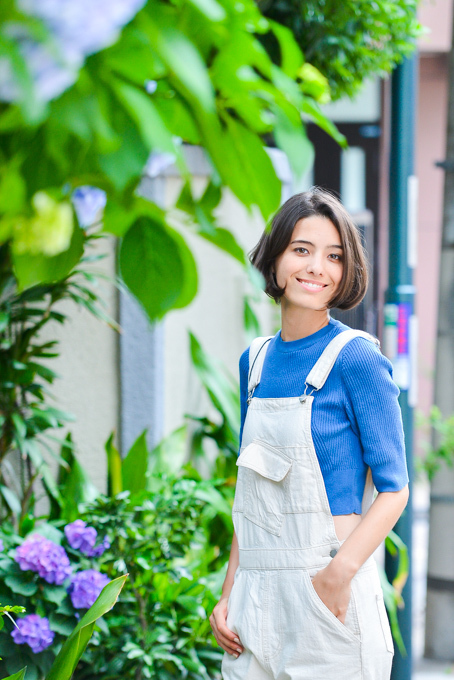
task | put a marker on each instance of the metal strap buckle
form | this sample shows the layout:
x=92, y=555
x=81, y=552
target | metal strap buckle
x=305, y=396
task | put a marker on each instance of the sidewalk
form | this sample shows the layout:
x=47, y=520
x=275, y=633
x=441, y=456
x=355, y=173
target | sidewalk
x=433, y=670
x=424, y=669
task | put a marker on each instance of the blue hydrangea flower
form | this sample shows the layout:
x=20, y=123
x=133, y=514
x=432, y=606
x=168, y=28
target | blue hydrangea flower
x=85, y=587
x=76, y=29
x=83, y=538
x=45, y=557
x=34, y=631
x=89, y=203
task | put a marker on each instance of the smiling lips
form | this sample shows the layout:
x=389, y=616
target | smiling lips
x=311, y=285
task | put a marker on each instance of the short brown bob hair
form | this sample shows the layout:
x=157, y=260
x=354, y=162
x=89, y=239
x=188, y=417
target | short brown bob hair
x=274, y=241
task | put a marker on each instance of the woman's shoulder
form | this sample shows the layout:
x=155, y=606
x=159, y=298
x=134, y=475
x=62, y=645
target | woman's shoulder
x=362, y=356
x=244, y=358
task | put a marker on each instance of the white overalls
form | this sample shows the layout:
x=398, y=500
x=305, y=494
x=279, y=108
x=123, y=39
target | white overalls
x=286, y=534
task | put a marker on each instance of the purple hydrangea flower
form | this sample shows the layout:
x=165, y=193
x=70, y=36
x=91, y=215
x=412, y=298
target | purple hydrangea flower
x=44, y=556
x=89, y=203
x=85, y=587
x=98, y=551
x=76, y=30
x=83, y=538
x=34, y=631
x=2, y=547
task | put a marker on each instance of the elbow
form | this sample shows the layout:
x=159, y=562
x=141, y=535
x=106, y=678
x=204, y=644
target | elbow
x=405, y=495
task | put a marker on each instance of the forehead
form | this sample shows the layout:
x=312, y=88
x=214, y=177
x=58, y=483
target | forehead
x=317, y=229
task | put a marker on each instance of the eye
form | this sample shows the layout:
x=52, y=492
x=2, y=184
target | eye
x=301, y=248
x=336, y=257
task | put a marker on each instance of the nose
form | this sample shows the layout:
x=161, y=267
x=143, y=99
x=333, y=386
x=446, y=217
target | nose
x=314, y=265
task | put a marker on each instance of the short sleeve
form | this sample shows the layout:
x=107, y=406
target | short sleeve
x=244, y=372
x=374, y=411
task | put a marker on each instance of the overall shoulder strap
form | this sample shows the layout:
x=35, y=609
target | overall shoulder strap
x=320, y=372
x=257, y=352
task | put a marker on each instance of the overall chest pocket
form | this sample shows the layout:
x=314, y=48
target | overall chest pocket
x=264, y=473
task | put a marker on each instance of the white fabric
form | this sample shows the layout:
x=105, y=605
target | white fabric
x=285, y=534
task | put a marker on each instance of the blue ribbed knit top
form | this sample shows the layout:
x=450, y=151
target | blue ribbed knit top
x=356, y=417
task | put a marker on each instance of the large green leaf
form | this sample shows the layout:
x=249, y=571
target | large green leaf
x=220, y=386
x=225, y=240
x=311, y=109
x=169, y=455
x=184, y=60
x=149, y=122
x=33, y=269
x=157, y=267
x=73, y=482
x=245, y=166
x=69, y=655
x=114, y=477
x=135, y=465
x=17, y=676
x=292, y=139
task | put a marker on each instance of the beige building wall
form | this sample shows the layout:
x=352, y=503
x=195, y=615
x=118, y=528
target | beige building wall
x=431, y=140
x=436, y=16
x=88, y=371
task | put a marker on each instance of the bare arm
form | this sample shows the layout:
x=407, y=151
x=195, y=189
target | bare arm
x=225, y=637
x=332, y=584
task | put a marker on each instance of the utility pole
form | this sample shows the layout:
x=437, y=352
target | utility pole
x=400, y=321
x=440, y=577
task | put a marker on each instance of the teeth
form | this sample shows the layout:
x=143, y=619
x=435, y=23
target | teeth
x=312, y=285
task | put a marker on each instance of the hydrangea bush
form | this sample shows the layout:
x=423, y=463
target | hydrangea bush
x=53, y=575
x=159, y=628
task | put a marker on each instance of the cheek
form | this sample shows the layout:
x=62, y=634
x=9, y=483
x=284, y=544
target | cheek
x=281, y=268
x=336, y=274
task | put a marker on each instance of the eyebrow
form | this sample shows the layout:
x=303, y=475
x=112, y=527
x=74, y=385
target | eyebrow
x=311, y=244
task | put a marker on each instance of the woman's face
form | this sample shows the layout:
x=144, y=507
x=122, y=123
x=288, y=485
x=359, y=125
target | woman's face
x=311, y=267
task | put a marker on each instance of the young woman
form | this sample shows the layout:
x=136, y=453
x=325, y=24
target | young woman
x=321, y=426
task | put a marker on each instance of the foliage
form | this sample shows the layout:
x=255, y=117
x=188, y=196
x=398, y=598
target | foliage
x=192, y=72
x=347, y=41
x=162, y=538
x=67, y=658
x=26, y=410
x=7, y=610
x=392, y=592
x=443, y=452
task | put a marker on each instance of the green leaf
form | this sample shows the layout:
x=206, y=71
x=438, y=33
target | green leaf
x=293, y=141
x=54, y=594
x=74, y=484
x=33, y=269
x=61, y=624
x=251, y=322
x=291, y=55
x=4, y=321
x=142, y=110
x=19, y=424
x=221, y=388
x=69, y=655
x=311, y=109
x=210, y=8
x=157, y=267
x=244, y=165
x=225, y=240
x=11, y=499
x=183, y=58
x=114, y=463
x=20, y=675
x=21, y=585
x=168, y=456
x=134, y=466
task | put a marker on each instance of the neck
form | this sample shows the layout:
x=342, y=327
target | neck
x=298, y=323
